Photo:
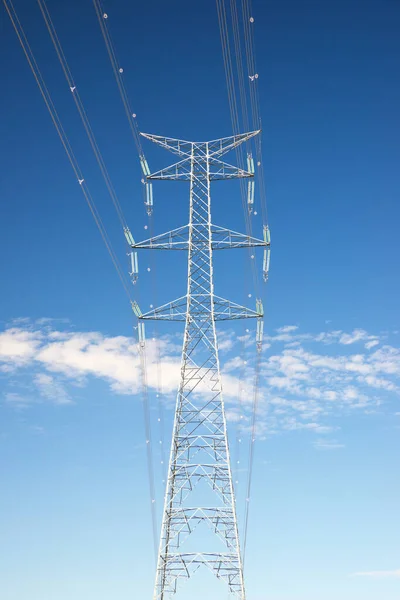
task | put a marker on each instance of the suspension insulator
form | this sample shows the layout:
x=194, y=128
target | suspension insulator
x=250, y=195
x=149, y=198
x=145, y=166
x=267, y=235
x=259, y=332
x=250, y=164
x=141, y=334
x=267, y=255
x=134, y=273
x=128, y=236
x=136, y=309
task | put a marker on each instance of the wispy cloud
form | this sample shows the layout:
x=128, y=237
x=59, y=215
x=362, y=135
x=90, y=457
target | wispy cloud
x=56, y=358
x=379, y=574
x=16, y=400
x=18, y=346
x=287, y=329
x=306, y=380
x=324, y=444
x=51, y=389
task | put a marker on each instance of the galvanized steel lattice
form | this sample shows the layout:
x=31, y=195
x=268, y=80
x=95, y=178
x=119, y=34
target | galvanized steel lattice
x=199, y=451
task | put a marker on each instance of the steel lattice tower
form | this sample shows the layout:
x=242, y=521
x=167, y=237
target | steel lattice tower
x=199, y=451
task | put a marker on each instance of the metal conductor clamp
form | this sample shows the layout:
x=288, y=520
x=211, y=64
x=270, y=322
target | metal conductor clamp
x=199, y=458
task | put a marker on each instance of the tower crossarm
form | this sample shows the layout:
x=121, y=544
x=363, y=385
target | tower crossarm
x=180, y=147
x=225, y=145
x=181, y=171
x=176, y=239
x=221, y=239
x=184, y=147
x=171, y=311
x=224, y=310
x=222, y=170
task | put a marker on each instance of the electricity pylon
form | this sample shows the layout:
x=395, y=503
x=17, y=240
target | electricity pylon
x=199, y=450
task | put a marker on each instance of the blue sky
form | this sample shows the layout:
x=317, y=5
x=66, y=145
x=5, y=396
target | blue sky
x=74, y=507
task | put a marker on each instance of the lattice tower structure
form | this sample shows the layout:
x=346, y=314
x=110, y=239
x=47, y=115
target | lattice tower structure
x=199, y=449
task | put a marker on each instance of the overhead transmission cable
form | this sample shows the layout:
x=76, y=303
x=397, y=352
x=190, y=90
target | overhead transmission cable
x=64, y=139
x=81, y=109
x=118, y=71
x=234, y=112
x=103, y=19
x=248, y=21
x=78, y=173
x=131, y=116
x=256, y=392
x=149, y=444
x=159, y=394
x=248, y=25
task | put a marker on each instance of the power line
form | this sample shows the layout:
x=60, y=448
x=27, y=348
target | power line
x=256, y=391
x=231, y=77
x=64, y=139
x=118, y=71
x=81, y=109
x=149, y=441
x=249, y=25
x=71, y=156
x=253, y=78
x=118, y=74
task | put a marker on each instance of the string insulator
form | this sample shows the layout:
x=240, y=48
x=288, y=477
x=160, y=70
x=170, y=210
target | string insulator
x=134, y=273
x=267, y=252
x=149, y=198
x=250, y=195
x=128, y=236
x=259, y=333
x=136, y=309
x=145, y=166
x=141, y=334
x=267, y=256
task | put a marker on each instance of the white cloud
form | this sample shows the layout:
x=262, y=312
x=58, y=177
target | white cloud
x=37, y=429
x=225, y=340
x=58, y=358
x=114, y=359
x=355, y=336
x=306, y=380
x=371, y=344
x=287, y=329
x=324, y=444
x=379, y=574
x=379, y=382
x=292, y=424
x=359, y=335
x=16, y=400
x=18, y=346
x=51, y=389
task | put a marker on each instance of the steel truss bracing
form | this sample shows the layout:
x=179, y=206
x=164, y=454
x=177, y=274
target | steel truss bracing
x=199, y=450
